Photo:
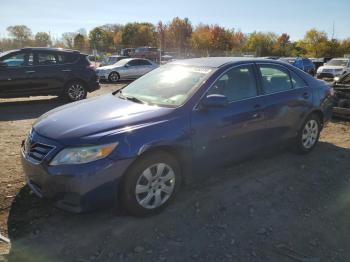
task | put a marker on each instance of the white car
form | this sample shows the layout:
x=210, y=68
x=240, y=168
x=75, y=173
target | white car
x=126, y=69
x=334, y=68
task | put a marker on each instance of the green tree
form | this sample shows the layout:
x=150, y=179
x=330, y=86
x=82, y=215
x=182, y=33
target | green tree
x=139, y=34
x=180, y=31
x=100, y=39
x=79, y=42
x=20, y=33
x=261, y=43
x=42, y=39
x=315, y=43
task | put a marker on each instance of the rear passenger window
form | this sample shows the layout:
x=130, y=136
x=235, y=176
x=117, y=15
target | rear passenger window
x=275, y=79
x=236, y=84
x=46, y=59
x=66, y=58
x=133, y=63
x=297, y=81
x=144, y=62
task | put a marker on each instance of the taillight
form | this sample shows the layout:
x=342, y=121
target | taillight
x=91, y=66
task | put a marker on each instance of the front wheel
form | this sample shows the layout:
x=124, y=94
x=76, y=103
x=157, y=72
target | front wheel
x=308, y=135
x=113, y=77
x=150, y=184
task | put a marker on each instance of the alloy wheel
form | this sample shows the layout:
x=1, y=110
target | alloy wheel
x=113, y=77
x=76, y=92
x=310, y=134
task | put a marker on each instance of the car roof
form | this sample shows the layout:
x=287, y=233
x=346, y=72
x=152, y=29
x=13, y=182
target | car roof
x=217, y=62
x=49, y=49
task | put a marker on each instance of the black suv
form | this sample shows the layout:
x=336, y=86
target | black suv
x=46, y=71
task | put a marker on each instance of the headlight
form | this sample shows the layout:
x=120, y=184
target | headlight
x=81, y=155
x=319, y=70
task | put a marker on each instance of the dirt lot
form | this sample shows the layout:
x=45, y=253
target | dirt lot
x=274, y=207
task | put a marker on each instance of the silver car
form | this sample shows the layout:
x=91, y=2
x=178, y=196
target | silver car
x=126, y=69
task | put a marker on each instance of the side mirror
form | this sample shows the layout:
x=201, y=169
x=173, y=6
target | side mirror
x=214, y=100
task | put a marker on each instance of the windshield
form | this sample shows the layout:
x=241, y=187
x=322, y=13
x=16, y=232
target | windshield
x=122, y=62
x=169, y=85
x=338, y=62
x=5, y=53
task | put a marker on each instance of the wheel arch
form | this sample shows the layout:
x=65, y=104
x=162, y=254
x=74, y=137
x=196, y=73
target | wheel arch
x=317, y=112
x=114, y=71
x=176, y=152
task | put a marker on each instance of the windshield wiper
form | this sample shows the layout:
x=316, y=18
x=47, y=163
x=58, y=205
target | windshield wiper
x=134, y=99
x=130, y=98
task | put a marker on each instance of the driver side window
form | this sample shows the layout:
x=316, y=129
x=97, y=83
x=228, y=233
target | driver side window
x=16, y=60
x=236, y=84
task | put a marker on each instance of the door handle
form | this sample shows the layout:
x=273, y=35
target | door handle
x=66, y=70
x=257, y=113
x=306, y=95
x=30, y=72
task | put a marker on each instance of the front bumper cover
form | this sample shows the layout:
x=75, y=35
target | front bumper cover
x=76, y=188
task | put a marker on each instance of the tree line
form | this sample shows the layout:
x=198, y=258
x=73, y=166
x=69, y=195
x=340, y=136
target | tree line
x=184, y=39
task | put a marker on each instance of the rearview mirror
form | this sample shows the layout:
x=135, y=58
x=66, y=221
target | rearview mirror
x=215, y=100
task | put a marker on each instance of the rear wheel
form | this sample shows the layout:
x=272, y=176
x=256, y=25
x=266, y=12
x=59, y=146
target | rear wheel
x=150, y=184
x=113, y=77
x=308, y=135
x=75, y=91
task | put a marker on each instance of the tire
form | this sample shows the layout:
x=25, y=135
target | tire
x=158, y=177
x=308, y=134
x=113, y=77
x=75, y=91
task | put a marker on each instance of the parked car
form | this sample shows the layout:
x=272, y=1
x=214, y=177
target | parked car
x=112, y=60
x=46, y=71
x=320, y=61
x=151, y=53
x=139, y=143
x=125, y=69
x=304, y=64
x=127, y=52
x=333, y=68
x=341, y=86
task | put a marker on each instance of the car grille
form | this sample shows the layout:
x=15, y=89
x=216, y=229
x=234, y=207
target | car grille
x=328, y=71
x=35, y=151
x=325, y=75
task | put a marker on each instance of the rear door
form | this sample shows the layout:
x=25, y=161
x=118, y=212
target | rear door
x=287, y=99
x=145, y=67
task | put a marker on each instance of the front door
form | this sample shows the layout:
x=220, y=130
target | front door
x=231, y=132
x=16, y=77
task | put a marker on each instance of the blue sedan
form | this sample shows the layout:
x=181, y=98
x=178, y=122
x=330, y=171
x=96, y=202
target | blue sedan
x=135, y=146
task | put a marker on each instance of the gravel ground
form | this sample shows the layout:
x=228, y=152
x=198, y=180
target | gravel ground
x=273, y=207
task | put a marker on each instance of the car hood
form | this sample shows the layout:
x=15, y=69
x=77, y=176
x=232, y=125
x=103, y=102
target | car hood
x=331, y=67
x=109, y=67
x=78, y=122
